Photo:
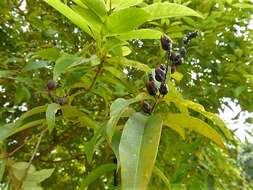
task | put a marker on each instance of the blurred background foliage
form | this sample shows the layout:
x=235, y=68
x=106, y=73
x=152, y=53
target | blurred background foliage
x=218, y=64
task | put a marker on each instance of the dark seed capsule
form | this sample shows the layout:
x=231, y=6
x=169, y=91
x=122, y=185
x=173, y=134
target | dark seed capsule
x=61, y=101
x=146, y=107
x=191, y=35
x=173, y=69
x=176, y=59
x=164, y=89
x=50, y=85
x=151, y=87
x=166, y=43
x=186, y=41
x=159, y=75
x=182, y=51
x=163, y=67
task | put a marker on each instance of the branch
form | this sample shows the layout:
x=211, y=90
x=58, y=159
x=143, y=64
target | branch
x=31, y=159
x=95, y=78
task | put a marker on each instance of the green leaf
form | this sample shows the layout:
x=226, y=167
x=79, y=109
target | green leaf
x=50, y=115
x=122, y=4
x=36, y=65
x=118, y=107
x=68, y=61
x=49, y=54
x=70, y=14
x=175, y=127
x=11, y=129
x=243, y=5
x=125, y=20
x=97, y=6
x=166, y=181
x=213, y=117
x=22, y=93
x=167, y=10
x=177, y=76
x=138, y=148
x=140, y=34
x=6, y=73
x=194, y=124
x=92, y=19
x=131, y=63
x=96, y=173
x=33, y=177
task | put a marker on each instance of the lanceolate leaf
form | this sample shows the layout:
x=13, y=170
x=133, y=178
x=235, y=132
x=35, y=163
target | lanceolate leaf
x=70, y=14
x=125, y=20
x=194, y=124
x=165, y=10
x=97, y=6
x=140, y=34
x=50, y=115
x=166, y=181
x=96, y=173
x=138, y=148
x=122, y=4
x=117, y=109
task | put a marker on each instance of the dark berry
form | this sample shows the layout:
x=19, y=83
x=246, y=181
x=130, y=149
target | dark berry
x=61, y=101
x=191, y=35
x=173, y=69
x=151, y=86
x=176, y=59
x=166, y=43
x=163, y=89
x=159, y=74
x=146, y=107
x=182, y=51
x=50, y=85
x=163, y=67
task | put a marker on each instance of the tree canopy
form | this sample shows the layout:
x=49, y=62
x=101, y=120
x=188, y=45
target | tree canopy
x=82, y=105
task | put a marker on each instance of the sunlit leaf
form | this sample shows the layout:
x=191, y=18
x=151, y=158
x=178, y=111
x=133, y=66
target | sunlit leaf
x=138, y=148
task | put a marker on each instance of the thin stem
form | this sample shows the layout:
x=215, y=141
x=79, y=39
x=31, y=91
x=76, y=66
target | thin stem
x=31, y=159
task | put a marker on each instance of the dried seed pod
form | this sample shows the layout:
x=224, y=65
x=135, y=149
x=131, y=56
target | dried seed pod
x=186, y=41
x=176, y=59
x=163, y=67
x=146, y=107
x=159, y=74
x=166, y=43
x=151, y=86
x=50, y=85
x=173, y=68
x=164, y=89
x=191, y=35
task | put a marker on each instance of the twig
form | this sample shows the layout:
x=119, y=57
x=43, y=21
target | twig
x=14, y=151
x=76, y=157
x=95, y=78
x=31, y=159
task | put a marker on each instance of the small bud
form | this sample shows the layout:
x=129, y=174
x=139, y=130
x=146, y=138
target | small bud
x=159, y=75
x=182, y=51
x=146, y=107
x=164, y=89
x=50, y=85
x=166, y=43
x=173, y=69
x=151, y=86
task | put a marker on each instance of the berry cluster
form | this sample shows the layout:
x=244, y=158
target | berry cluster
x=51, y=86
x=160, y=73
